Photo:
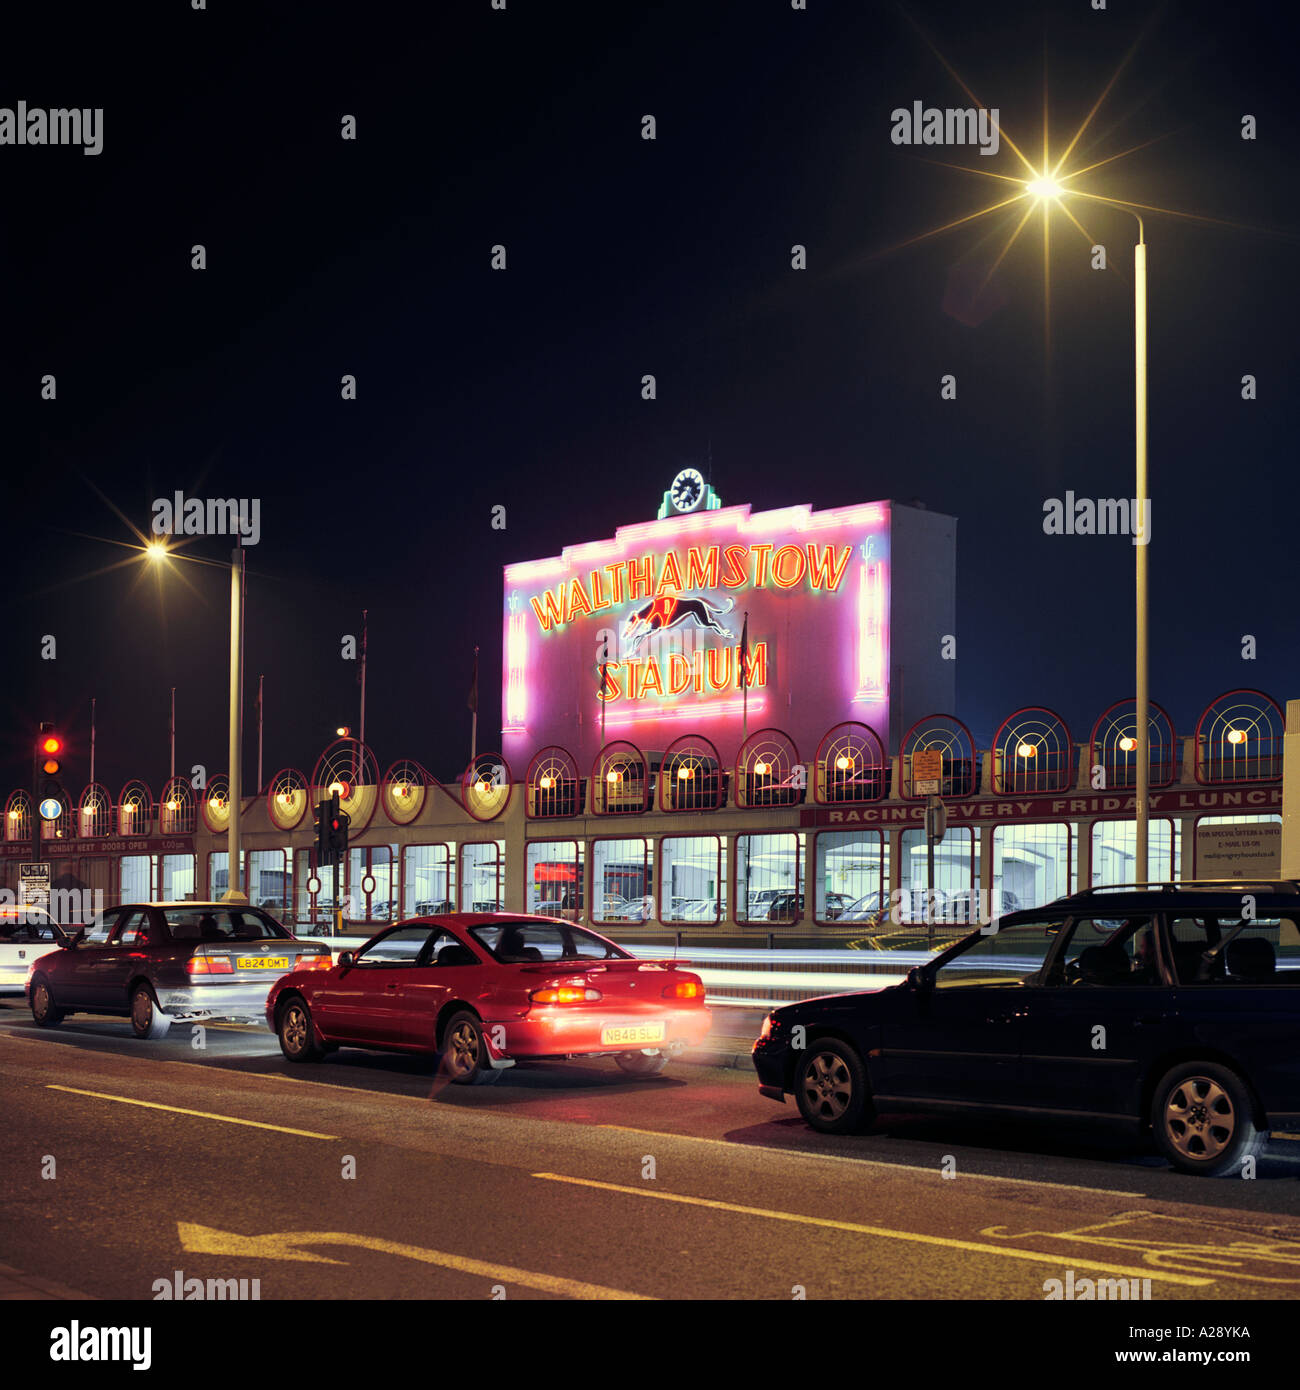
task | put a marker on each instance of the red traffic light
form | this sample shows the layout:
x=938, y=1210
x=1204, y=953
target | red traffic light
x=51, y=743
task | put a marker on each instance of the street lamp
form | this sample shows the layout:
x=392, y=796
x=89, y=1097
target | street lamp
x=1045, y=188
x=157, y=552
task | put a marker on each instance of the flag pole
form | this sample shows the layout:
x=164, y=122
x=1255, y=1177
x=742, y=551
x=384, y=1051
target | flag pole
x=92, y=741
x=259, y=732
x=744, y=679
x=473, y=726
x=172, y=737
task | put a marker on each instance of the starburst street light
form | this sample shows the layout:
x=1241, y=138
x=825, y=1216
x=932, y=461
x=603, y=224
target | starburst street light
x=1047, y=187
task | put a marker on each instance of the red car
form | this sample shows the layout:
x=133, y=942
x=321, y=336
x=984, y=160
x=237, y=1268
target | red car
x=484, y=990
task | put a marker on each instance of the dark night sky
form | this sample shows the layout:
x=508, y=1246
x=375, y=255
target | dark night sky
x=625, y=257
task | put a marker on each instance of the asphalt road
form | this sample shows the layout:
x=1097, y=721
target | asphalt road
x=363, y=1177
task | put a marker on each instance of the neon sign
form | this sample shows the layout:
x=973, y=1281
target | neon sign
x=646, y=630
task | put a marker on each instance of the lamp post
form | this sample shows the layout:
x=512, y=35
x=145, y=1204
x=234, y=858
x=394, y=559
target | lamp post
x=1044, y=188
x=157, y=552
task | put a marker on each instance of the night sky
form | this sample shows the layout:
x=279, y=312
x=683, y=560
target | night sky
x=625, y=256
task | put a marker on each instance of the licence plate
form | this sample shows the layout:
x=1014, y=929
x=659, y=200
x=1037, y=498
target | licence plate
x=634, y=1034
x=262, y=963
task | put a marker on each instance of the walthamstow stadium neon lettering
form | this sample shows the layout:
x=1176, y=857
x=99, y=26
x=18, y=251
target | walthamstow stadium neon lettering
x=819, y=567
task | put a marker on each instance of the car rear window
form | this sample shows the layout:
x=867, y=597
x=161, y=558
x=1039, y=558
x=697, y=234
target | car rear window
x=210, y=923
x=1266, y=950
x=514, y=943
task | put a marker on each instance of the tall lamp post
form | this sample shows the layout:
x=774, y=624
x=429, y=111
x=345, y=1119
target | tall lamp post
x=158, y=552
x=1045, y=188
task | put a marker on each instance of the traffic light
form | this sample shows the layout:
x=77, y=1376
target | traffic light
x=323, y=853
x=339, y=822
x=46, y=783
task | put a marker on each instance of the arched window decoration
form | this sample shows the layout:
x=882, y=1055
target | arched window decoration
x=555, y=785
x=214, y=801
x=135, y=810
x=951, y=739
x=620, y=781
x=177, y=812
x=349, y=768
x=287, y=798
x=1239, y=738
x=850, y=765
x=18, y=816
x=404, y=791
x=95, y=812
x=1113, y=747
x=485, y=786
x=768, y=771
x=691, y=776
x=1032, y=752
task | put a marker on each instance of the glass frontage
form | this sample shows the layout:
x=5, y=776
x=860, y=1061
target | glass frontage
x=1114, y=851
x=768, y=887
x=850, y=868
x=270, y=881
x=426, y=880
x=622, y=881
x=692, y=879
x=137, y=886
x=1032, y=865
x=178, y=872
x=480, y=876
x=553, y=883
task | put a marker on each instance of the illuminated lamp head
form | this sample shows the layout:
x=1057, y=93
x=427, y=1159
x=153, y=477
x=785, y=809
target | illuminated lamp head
x=1128, y=743
x=685, y=773
x=1026, y=750
x=614, y=775
x=403, y=789
x=843, y=762
x=762, y=768
x=1236, y=735
x=337, y=788
x=547, y=782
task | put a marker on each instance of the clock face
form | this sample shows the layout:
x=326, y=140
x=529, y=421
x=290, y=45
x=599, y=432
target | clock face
x=687, y=491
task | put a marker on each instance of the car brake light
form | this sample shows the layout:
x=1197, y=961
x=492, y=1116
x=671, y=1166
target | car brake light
x=564, y=994
x=766, y=1031
x=209, y=965
x=684, y=989
x=318, y=962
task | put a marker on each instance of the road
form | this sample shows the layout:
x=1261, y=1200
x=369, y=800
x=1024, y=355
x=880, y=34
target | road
x=364, y=1177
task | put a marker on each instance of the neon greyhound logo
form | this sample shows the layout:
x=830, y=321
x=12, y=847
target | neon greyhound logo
x=670, y=611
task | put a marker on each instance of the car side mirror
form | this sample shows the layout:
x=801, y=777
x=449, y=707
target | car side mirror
x=68, y=942
x=346, y=960
x=918, y=980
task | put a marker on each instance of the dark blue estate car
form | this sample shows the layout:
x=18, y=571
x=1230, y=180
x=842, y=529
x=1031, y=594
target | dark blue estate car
x=1173, y=1006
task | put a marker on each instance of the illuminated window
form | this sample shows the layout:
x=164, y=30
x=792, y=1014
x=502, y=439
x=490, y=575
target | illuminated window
x=622, y=881
x=768, y=886
x=480, y=876
x=1031, y=866
x=553, y=883
x=426, y=880
x=692, y=879
x=850, y=868
x=1114, y=852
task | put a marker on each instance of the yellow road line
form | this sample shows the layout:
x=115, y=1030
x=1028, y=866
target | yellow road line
x=198, y=1114
x=885, y=1233
x=806, y=1154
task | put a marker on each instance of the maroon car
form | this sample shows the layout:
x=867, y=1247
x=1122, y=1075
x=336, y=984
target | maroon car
x=161, y=963
x=484, y=990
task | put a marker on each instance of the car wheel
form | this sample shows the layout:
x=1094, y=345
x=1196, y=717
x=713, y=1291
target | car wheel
x=43, y=1010
x=1203, y=1118
x=640, y=1064
x=830, y=1087
x=464, y=1056
x=147, y=1019
x=296, y=1031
